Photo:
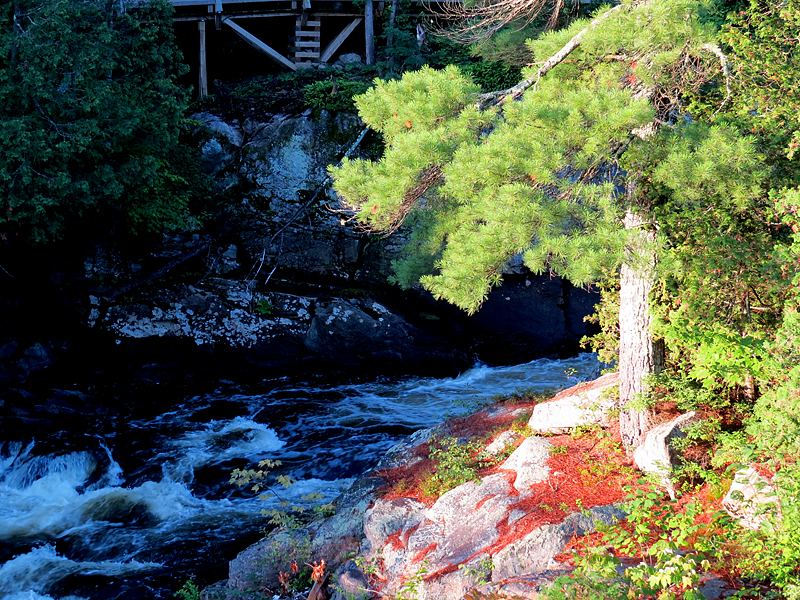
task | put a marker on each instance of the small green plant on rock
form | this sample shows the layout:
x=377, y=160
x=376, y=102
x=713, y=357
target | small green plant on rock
x=288, y=515
x=521, y=424
x=410, y=587
x=456, y=464
x=482, y=572
x=264, y=307
x=189, y=591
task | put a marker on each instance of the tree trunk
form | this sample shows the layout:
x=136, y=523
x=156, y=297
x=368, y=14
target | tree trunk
x=639, y=354
x=390, y=36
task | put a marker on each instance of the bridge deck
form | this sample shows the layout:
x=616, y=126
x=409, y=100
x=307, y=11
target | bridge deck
x=340, y=18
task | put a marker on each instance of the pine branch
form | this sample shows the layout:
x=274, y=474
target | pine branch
x=499, y=98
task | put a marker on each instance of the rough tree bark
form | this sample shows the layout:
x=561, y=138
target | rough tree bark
x=390, y=35
x=639, y=354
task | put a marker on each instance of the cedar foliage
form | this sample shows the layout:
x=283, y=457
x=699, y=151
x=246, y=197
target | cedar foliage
x=92, y=114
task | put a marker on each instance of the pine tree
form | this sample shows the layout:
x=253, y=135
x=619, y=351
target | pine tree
x=554, y=169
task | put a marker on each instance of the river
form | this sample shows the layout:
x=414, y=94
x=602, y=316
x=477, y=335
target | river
x=132, y=505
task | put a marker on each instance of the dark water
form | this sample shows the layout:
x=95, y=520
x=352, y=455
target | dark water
x=131, y=506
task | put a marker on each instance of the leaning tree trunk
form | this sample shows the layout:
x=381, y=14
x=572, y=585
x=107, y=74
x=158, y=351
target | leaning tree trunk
x=639, y=354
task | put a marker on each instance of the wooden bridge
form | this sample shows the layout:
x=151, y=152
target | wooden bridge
x=305, y=49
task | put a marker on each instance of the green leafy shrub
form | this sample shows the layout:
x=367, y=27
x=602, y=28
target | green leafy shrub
x=456, y=464
x=493, y=76
x=189, y=591
x=677, y=545
x=335, y=95
x=288, y=515
x=606, y=316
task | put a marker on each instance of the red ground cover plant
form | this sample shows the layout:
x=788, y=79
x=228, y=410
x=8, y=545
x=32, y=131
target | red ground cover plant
x=586, y=471
x=722, y=564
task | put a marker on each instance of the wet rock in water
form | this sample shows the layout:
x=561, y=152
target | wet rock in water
x=362, y=331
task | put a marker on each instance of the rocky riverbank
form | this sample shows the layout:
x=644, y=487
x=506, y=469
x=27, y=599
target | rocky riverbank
x=501, y=533
x=275, y=281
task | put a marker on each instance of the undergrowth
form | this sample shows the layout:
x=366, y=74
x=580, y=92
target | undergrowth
x=456, y=463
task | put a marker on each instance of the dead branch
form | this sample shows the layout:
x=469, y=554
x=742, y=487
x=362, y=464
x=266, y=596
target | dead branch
x=320, y=187
x=726, y=71
x=158, y=273
x=392, y=222
x=481, y=20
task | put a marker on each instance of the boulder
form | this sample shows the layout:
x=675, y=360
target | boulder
x=363, y=331
x=752, y=499
x=529, y=463
x=656, y=456
x=352, y=584
x=589, y=404
x=535, y=551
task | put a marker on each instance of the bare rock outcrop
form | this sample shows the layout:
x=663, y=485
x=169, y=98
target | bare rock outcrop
x=584, y=404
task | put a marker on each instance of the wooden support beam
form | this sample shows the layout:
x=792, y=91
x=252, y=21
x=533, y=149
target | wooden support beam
x=259, y=45
x=203, y=79
x=334, y=45
x=369, y=32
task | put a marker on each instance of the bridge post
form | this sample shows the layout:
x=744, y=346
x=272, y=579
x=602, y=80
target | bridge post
x=369, y=32
x=203, y=80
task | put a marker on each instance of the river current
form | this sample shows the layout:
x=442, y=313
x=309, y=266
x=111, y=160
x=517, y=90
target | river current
x=139, y=502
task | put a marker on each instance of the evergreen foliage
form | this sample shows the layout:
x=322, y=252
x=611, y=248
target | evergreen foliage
x=543, y=176
x=92, y=114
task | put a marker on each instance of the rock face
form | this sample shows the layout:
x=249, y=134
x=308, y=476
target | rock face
x=656, y=454
x=281, y=277
x=288, y=278
x=279, y=327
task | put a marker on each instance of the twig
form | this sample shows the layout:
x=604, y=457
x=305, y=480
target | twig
x=277, y=259
x=158, y=273
x=320, y=187
x=325, y=182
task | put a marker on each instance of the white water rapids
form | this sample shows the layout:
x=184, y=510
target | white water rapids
x=132, y=511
